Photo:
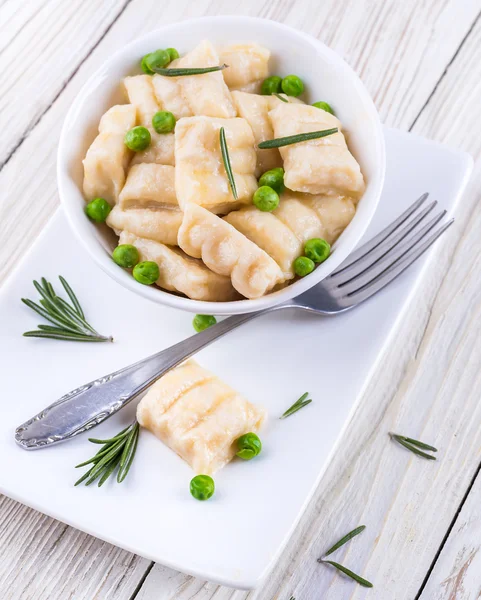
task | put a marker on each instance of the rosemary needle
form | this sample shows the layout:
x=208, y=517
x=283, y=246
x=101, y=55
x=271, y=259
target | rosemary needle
x=281, y=98
x=127, y=460
x=187, y=71
x=414, y=446
x=67, y=320
x=110, y=440
x=70, y=293
x=296, y=139
x=344, y=540
x=225, y=157
x=421, y=444
x=349, y=573
x=297, y=405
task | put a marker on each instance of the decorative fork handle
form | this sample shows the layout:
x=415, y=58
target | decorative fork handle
x=90, y=404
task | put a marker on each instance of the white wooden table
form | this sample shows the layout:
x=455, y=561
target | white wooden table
x=421, y=61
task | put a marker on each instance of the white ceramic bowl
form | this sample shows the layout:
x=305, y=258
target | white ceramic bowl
x=327, y=77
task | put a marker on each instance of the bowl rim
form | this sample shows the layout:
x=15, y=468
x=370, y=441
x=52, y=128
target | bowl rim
x=155, y=294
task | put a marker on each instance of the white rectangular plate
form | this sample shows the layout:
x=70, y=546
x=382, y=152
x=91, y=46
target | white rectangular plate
x=234, y=538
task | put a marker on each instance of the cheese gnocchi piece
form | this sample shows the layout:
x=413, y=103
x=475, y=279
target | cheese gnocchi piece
x=170, y=96
x=141, y=94
x=158, y=225
x=165, y=392
x=302, y=220
x=118, y=119
x=320, y=166
x=335, y=213
x=198, y=416
x=181, y=273
x=248, y=66
x=189, y=410
x=254, y=108
x=270, y=234
x=205, y=94
x=108, y=157
x=160, y=151
x=140, y=91
x=149, y=186
x=200, y=175
x=228, y=252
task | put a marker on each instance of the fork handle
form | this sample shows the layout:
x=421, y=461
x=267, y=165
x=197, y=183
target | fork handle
x=90, y=404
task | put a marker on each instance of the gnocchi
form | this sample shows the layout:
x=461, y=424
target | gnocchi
x=223, y=217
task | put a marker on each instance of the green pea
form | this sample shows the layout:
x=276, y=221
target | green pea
x=163, y=121
x=274, y=179
x=201, y=322
x=137, y=139
x=271, y=85
x=317, y=249
x=173, y=53
x=202, y=487
x=265, y=198
x=157, y=60
x=249, y=446
x=303, y=266
x=325, y=106
x=292, y=85
x=126, y=256
x=144, y=67
x=98, y=210
x=146, y=272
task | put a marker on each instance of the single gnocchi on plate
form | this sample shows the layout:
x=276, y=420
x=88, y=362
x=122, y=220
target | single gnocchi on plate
x=227, y=183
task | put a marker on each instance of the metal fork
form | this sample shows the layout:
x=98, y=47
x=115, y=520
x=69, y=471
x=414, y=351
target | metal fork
x=368, y=270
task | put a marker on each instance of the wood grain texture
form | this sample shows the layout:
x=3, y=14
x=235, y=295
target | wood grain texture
x=456, y=574
x=42, y=45
x=42, y=559
x=427, y=385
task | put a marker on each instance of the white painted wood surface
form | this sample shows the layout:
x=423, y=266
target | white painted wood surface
x=42, y=45
x=457, y=573
x=422, y=63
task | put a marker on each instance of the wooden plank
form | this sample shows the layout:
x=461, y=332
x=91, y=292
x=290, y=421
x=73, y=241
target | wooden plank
x=31, y=197
x=47, y=559
x=42, y=45
x=456, y=574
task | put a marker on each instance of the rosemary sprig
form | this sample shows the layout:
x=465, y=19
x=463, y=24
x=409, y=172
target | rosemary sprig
x=179, y=72
x=297, y=405
x=225, y=157
x=345, y=570
x=344, y=540
x=414, y=445
x=281, y=98
x=349, y=573
x=68, y=320
x=117, y=451
x=296, y=139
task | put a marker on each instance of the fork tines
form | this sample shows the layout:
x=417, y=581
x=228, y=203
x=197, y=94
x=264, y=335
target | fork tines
x=388, y=254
